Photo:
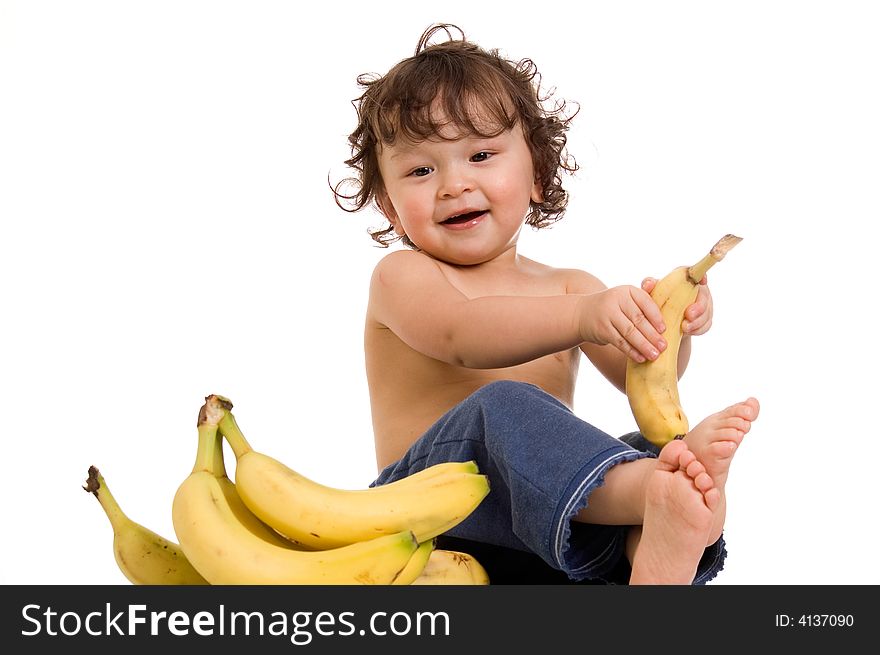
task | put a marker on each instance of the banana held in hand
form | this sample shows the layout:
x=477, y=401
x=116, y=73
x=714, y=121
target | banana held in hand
x=226, y=551
x=450, y=567
x=652, y=386
x=143, y=556
x=429, y=502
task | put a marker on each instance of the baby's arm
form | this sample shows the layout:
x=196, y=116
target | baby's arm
x=410, y=295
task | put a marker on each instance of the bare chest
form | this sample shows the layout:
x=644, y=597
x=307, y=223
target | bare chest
x=409, y=392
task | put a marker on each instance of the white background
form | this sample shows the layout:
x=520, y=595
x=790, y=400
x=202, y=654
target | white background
x=168, y=232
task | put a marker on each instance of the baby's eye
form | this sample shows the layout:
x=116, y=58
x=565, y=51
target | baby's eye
x=421, y=171
x=481, y=156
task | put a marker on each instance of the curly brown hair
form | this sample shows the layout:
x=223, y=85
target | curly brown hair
x=454, y=80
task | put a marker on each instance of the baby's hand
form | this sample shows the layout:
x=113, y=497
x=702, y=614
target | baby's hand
x=698, y=316
x=625, y=317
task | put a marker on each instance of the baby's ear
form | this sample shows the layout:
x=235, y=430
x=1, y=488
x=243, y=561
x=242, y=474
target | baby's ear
x=537, y=194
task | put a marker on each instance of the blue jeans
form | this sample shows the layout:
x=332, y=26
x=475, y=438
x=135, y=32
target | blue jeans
x=543, y=462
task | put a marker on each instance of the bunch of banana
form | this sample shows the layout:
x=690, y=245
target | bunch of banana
x=317, y=516
x=144, y=557
x=652, y=386
x=229, y=549
x=373, y=536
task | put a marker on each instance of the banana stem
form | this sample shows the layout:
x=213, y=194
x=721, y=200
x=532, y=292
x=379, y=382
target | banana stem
x=96, y=486
x=206, y=455
x=719, y=250
x=217, y=412
x=233, y=434
x=218, y=465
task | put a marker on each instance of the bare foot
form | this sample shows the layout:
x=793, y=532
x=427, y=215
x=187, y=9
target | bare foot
x=679, y=512
x=714, y=441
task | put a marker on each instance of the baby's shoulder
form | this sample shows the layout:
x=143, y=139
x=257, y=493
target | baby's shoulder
x=405, y=270
x=578, y=281
x=573, y=280
x=400, y=261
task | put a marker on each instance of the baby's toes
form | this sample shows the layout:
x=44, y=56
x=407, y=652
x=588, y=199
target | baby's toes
x=670, y=454
x=694, y=468
x=737, y=423
x=733, y=434
x=721, y=450
x=687, y=458
x=755, y=408
x=712, y=498
x=704, y=482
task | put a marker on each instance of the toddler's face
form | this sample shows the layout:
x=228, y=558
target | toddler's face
x=460, y=199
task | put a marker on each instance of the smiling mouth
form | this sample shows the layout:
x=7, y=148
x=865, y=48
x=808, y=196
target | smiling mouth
x=462, y=218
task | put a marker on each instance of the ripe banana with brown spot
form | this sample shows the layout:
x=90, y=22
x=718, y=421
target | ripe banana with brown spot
x=226, y=551
x=318, y=516
x=652, y=385
x=450, y=567
x=143, y=556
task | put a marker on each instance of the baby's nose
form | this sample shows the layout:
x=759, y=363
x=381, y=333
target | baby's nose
x=454, y=183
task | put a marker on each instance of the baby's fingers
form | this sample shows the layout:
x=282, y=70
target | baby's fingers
x=647, y=308
x=640, y=328
x=697, y=325
x=633, y=343
x=698, y=316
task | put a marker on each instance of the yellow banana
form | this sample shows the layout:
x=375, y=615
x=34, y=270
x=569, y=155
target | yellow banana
x=246, y=517
x=429, y=502
x=449, y=567
x=143, y=556
x=652, y=386
x=416, y=564
x=227, y=552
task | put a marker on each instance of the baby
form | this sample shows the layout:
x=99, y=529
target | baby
x=472, y=349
